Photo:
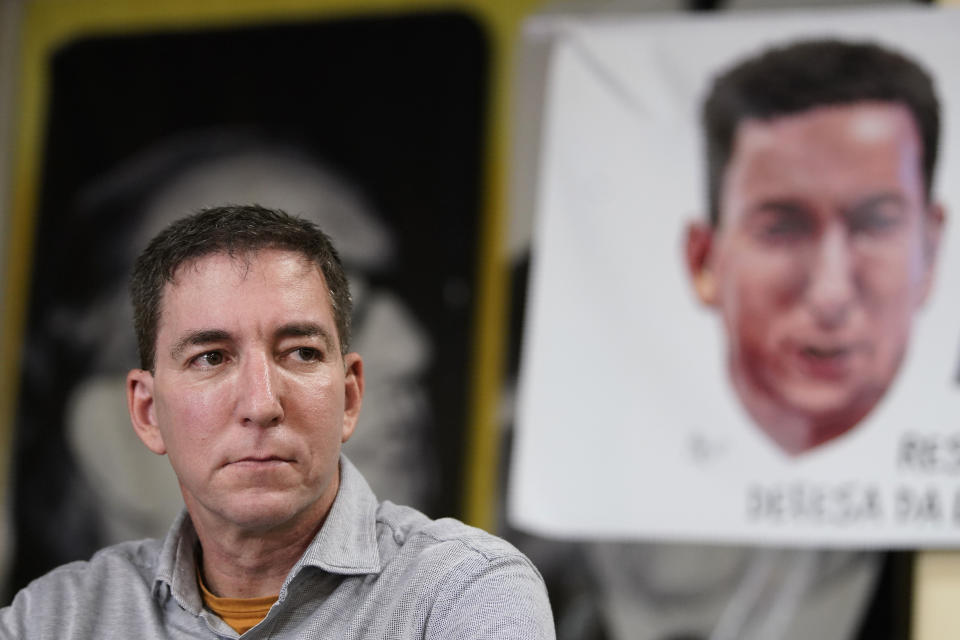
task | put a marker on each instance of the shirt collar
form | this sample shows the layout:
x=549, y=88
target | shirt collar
x=177, y=565
x=346, y=543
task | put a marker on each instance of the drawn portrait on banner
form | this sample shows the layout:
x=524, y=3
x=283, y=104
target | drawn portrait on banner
x=758, y=243
x=822, y=235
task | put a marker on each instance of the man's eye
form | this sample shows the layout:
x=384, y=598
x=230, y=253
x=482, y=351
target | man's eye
x=209, y=359
x=307, y=354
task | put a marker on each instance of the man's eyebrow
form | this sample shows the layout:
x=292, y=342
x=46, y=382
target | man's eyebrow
x=198, y=337
x=305, y=330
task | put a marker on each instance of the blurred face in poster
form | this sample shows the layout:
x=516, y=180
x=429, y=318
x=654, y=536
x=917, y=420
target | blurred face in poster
x=822, y=254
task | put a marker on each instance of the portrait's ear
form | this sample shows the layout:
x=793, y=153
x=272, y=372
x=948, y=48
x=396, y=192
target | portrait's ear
x=143, y=414
x=933, y=230
x=352, y=392
x=699, y=243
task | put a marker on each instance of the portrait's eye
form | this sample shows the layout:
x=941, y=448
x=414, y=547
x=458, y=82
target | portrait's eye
x=875, y=220
x=783, y=224
x=786, y=226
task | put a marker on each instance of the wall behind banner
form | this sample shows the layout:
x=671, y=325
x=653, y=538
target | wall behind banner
x=936, y=579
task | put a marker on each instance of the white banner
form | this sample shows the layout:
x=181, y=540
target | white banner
x=632, y=422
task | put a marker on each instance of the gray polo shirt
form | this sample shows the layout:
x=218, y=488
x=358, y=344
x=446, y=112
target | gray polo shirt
x=375, y=570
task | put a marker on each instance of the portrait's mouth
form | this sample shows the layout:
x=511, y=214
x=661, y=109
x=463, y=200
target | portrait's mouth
x=828, y=362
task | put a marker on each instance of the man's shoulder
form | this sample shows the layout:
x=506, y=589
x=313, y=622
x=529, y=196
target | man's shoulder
x=433, y=578
x=468, y=579
x=404, y=531
x=407, y=526
x=139, y=553
x=124, y=567
x=117, y=577
x=449, y=554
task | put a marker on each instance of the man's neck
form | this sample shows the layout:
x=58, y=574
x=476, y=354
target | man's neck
x=239, y=562
x=249, y=567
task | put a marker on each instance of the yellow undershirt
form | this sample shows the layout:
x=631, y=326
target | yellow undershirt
x=240, y=613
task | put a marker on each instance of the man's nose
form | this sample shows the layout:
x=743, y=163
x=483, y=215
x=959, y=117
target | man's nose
x=831, y=288
x=258, y=400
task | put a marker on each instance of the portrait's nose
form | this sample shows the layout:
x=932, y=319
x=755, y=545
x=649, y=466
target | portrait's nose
x=258, y=401
x=831, y=287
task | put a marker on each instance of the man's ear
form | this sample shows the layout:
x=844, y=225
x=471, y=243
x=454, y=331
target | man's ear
x=352, y=393
x=143, y=414
x=698, y=246
x=934, y=220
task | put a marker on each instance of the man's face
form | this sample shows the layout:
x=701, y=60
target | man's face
x=823, y=253
x=250, y=398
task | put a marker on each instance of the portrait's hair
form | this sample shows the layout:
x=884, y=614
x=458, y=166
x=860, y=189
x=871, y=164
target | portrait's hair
x=804, y=75
x=234, y=230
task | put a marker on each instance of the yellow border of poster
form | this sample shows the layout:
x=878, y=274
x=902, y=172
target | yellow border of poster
x=49, y=23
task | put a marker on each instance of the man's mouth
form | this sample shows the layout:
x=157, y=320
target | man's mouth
x=259, y=461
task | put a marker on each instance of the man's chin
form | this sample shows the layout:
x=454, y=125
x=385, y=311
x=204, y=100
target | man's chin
x=263, y=511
